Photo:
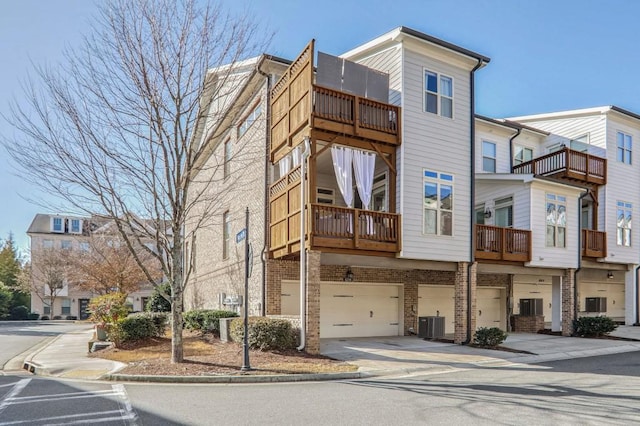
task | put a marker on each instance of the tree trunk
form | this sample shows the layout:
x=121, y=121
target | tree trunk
x=177, y=286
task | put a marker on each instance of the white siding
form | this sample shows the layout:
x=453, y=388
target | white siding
x=389, y=61
x=575, y=127
x=500, y=137
x=489, y=191
x=427, y=139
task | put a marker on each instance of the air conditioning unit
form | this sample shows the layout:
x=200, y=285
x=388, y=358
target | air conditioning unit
x=431, y=327
x=596, y=304
x=531, y=307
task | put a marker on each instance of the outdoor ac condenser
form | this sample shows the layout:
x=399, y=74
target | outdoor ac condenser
x=431, y=327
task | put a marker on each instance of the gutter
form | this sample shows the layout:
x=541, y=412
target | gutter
x=263, y=257
x=575, y=274
x=637, y=295
x=511, y=139
x=472, y=209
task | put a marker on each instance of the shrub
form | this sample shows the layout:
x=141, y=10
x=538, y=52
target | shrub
x=44, y=317
x=108, y=309
x=19, y=313
x=71, y=317
x=265, y=333
x=157, y=302
x=206, y=320
x=136, y=327
x=593, y=326
x=33, y=316
x=489, y=337
x=57, y=317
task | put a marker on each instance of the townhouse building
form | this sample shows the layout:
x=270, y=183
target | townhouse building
x=52, y=238
x=377, y=196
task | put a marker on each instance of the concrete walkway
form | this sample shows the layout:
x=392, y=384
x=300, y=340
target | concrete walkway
x=66, y=355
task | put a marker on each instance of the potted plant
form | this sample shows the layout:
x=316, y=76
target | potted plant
x=106, y=311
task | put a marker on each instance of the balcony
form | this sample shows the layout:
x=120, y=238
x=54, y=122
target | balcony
x=502, y=244
x=353, y=229
x=567, y=164
x=594, y=243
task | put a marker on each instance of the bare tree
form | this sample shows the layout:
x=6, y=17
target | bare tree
x=48, y=279
x=106, y=265
x=111, y=130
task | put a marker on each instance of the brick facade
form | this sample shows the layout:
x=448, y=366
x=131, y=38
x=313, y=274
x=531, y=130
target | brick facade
x=313, y=302
x=568, y=301
x=527, y=324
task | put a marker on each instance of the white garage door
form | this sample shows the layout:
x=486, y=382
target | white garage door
x=613, y=292
x=437, y=301
x=491, y=308
x=290, y=298
x=357, y=310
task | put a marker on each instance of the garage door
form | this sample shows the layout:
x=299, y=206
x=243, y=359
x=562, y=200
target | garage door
x=356, y=310
x=613, y=292
x=533, y=291
x=437, y=301
x=491, y=308
x=290, y=298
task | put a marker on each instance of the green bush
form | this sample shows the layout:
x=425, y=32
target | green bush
x=44, y=317
x=136, y=327
x=157, y=302
x=206, y=320
x=33, y=316
x=71, y=317
x=593, y=326
x=265, y=333
x=19, y=313
x=489, y=337
x=57, y=317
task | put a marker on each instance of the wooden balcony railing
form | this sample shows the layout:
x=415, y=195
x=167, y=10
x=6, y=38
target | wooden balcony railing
x=508, y=244
x=353, y=115
x=345, y=228
x=594, y=243
x=569, y=164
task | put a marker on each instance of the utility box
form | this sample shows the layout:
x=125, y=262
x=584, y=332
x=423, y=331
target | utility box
x=225, y=327
x=431, y=327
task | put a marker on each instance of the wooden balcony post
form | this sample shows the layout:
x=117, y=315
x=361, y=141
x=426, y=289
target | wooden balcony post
x=356, y=115
x=503, y=242
x=356, y=228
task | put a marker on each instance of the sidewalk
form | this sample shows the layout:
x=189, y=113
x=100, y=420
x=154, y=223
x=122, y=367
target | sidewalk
x=66, y=356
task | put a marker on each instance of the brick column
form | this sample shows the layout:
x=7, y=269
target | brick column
x=313, y=303
x=568, y=307
x=410, y=303
x=462, y=279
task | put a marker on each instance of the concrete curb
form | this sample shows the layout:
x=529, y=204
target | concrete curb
x=33, y=367
x=19, y=360
x=276, y=378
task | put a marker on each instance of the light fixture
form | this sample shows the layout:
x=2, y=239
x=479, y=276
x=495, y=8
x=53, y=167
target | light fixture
x=348, y=276
x=487, y=213
x=137, y=299
x=610, y=275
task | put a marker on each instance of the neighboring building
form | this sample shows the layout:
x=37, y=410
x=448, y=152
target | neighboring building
x=415, y=206
x=52, y=234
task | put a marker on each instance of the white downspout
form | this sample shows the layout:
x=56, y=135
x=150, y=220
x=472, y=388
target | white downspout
x=303, y=254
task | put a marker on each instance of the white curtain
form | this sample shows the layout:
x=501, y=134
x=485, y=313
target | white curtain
x=342, y=158
x=364, y=164
x=284, y=164
x=296, y=156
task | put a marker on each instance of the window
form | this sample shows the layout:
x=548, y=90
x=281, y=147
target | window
x=227, y=158
x=488, y=156
x=75, y=226
x=556, y=220
x=226, y=232
x=325, y=196
x=57, y=225
x=47, y=244
x=522, y=155
x=379, y=193
x=504, y=212
x=65, y=244
x=66, y=307
x=84, y=246
x=438, y=203
x=46, y=307
x=623, y=224
x=438, y=96
x=480, y=215
x=624, y=144
x=249, y=120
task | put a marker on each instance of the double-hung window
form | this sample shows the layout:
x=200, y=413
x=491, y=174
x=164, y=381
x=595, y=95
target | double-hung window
x=488, y=157
x=624, y=144
x=522, y=155
x=249, y=120
x=438, y=94
x=504, y=212
x=75, y=226
x=556, y=221
x=438, y=203
x=226, y=235
x=57, y=225
x=623, y=223
x=66, y=307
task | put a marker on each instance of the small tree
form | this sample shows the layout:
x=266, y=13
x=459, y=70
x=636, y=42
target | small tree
x=48, y=279
x=5, y=301
x=160, y=299
x=10, y=270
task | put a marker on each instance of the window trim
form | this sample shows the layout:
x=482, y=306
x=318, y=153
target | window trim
x=439, y=179
x=557, y=200
x=622, y=241
x=250, y=118
x=53, y=224
x=516, y=161
x=624, y=148
x=494, y=158
x=439, y=95
x=71, y=227
x=226, y=235
x=226, y=168
x=329, y=195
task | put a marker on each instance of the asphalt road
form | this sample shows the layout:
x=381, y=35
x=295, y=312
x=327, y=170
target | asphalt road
x=599, y=390
x=17, y=337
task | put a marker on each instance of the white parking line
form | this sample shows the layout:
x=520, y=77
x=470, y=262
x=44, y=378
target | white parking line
x=70, y=416
x=64, y=396
x=128, y=414
x=9, y=397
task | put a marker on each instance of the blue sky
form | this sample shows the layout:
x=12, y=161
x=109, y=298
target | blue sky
x=547, y=55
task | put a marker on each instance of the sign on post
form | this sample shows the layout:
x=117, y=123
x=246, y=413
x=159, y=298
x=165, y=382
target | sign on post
x=240, y=236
